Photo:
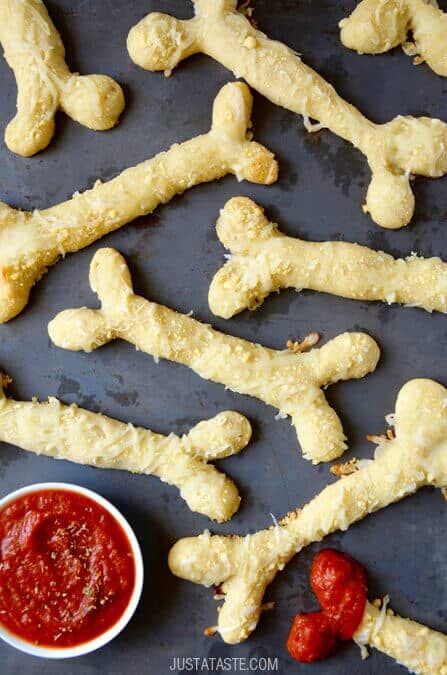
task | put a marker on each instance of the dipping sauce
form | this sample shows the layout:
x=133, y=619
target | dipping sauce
x=339, y=582
x=67, y=570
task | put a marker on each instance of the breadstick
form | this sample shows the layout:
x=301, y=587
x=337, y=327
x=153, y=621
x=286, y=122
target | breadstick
x=290, y=382
x=68, y=432
x=35, y=52
x=420, y=649
x=245, y=566
x=394, y=151
x=376, y=26
x=30, y=242
x=264, y=260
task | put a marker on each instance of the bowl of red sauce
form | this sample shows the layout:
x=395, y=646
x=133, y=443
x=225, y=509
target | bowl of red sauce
x=71, y=570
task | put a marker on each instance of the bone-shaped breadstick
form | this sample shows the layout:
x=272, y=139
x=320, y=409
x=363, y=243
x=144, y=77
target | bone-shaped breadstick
x=68, y=432
x=245, y=566
x=420, y=649
x=30, y=242
x=404, y=146
x=375, y=26
x=35, y=52
x=289, y=382
x=264, y=260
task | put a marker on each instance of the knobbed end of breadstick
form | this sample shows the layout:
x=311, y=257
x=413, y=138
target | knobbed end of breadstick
x=224, y=561
x=110, y=279
x=256, y=164
x=417, y=145
x=404, y=146
x=231, y=120
x=237, y=286
x=375, y=27
x=160, y=42
x=241, y=611
x=232, y=110
x=318, y=427
x=242, y=222
x=421, y=414
x=241, y=283
x=14, y=292
x=349, y=356
x=430, y=36
x=390, y=200
x=203, y=560
x=225, y=434
x=27, y=134
x=96, y=101
x=238, y=565
x=208, y=491
x=212, y=494
x=87, y=329
x=79, y=330
x=319, y=430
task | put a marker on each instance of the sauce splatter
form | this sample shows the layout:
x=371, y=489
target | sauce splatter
x=339, y=583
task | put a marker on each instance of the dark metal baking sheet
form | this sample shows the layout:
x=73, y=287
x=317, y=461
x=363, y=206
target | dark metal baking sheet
x=173, y=256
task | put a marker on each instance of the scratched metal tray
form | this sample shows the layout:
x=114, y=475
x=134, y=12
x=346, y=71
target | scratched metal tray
x=173, y=256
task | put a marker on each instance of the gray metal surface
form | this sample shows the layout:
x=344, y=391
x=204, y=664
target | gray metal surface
x=173, y=256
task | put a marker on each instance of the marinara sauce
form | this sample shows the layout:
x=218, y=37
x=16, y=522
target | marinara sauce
x=339, y=582
x=67, y=570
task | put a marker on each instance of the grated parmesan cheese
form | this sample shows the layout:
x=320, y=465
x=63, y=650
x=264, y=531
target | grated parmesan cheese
x=410, y=49
x=311, y=127
x=382, y=616
x=362, y=646
x=390, y=419
x=277, y=528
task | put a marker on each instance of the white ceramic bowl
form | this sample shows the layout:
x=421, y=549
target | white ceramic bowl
x=112, y=632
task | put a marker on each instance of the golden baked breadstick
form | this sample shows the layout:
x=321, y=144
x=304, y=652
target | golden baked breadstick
x=30, y=242
x=264, y=260
x=420, y=649
x=245, y=566
x=68, y=432
x=376, y=26
x=35, y=52
x=394, y=151
x=290, y=382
